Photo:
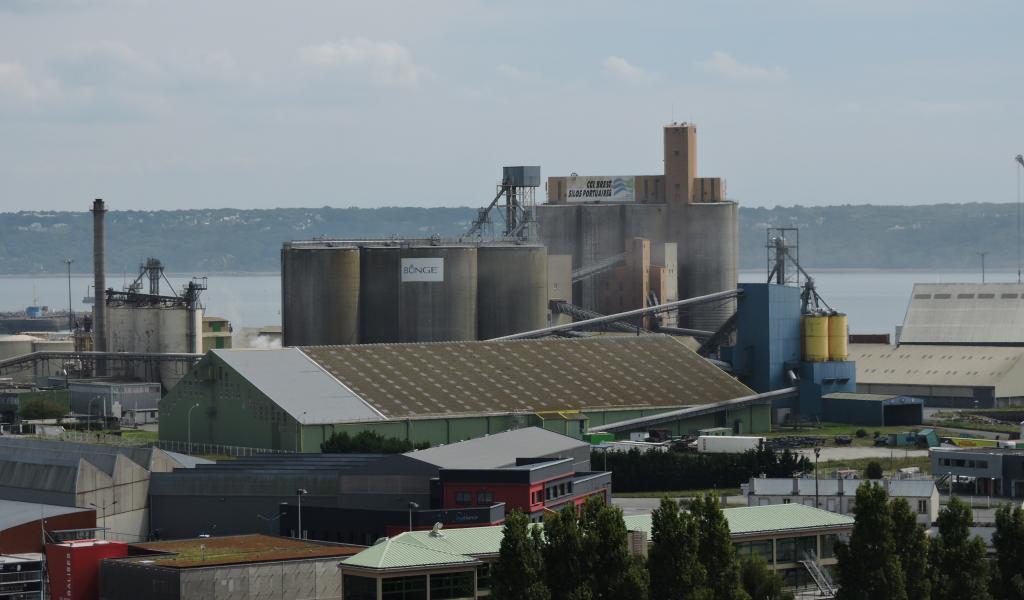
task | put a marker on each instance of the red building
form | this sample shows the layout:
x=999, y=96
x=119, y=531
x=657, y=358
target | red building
x=533, y=486
x=22, y=524
x=74, y=567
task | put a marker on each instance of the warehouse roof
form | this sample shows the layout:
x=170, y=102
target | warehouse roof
x=498, y=450
x=299, y=385
x=13, y=514
x=439, y=379
x=956, y=366
x=408, y=550
x=965, y=313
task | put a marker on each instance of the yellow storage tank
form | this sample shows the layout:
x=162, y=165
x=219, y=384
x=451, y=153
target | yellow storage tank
x=838, y=337
x=815, y=329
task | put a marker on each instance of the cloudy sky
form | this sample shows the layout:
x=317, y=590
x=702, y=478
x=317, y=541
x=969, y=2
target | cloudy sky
x=164, y=104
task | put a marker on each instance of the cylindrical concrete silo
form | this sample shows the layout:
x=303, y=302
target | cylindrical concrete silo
x=437, y=302
x=381, y=271
x=319, y=294
x=512, y=289
x=708, y=261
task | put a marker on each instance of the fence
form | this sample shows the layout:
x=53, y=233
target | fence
x=202, y=449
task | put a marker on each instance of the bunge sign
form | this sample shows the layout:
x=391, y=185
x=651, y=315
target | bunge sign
x=422, y=269
x=600, y=189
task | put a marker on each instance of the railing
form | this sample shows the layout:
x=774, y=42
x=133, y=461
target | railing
x=204, y=449
x=820, y=577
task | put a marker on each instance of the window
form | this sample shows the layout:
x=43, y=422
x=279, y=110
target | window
x=982, y=464
x=785, y=500
x=360, y=588
x=828, y=545
x=404, y=588
x=548, y=493
x=463, y=498
x=483, y=577
x=793, y=549
x=922, y=507
x=561, y=489
x=761, y=548
x=445, y=586
x=485, y=498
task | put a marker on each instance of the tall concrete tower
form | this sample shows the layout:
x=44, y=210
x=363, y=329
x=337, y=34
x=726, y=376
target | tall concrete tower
x=99, y=307
x=680, y=162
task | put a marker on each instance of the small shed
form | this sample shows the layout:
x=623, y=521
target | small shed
x=876, y=410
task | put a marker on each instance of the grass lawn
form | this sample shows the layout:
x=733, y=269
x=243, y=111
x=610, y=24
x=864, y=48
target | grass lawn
x=676, y=493
x=139, y=435
x=898, y=462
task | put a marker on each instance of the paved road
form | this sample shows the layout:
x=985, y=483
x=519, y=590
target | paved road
x=842, y=453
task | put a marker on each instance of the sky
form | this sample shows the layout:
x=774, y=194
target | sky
x=174, y=104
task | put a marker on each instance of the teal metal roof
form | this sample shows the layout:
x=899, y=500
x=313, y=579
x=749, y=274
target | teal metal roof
x=457, y=546
x=394, y=553
x=772, y=519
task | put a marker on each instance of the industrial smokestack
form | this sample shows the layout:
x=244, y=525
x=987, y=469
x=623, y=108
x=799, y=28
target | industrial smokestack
x=99, y=307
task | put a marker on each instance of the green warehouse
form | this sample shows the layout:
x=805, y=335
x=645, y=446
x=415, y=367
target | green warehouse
x=292, y=399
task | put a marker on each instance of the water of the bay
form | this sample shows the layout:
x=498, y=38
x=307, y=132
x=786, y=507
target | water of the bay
x=875, y=300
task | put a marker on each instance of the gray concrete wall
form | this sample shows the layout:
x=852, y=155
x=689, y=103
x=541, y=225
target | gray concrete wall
x=291, y=580
x=708, y=261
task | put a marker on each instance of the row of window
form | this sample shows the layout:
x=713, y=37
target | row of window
x=789, y=550
x=551, y=492
x=960, y=462
x=484, y=498
x=443, y=586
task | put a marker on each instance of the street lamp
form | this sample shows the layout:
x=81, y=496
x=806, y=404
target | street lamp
x=71, y=317
x=300, y=493
x=412, y=506
x=817, y=453
x=103, y=510
x=188, y=417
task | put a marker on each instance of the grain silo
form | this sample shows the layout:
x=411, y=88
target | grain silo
x=380, y=272
x=512, y=289
x=709, y=248
x=320, y=293
x=437, y=301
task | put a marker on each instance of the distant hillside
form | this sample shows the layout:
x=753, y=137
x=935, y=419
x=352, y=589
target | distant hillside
x=946, y=236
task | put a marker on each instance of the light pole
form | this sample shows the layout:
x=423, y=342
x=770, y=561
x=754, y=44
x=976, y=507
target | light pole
x=412, y=506
x=188, y=417
x=71, y=316
x=300, y=493
x=982, y=255
x=89, y=411
x=817, y=453
x=103, y=510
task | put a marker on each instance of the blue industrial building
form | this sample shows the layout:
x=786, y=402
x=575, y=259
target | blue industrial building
x=767, y=354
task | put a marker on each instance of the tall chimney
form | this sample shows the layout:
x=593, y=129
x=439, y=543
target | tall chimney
x=99, y=307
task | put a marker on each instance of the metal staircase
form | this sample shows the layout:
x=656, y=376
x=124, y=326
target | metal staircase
x=821, y=579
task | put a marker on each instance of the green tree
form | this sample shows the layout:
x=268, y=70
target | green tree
x=715, y=549
x=1008, y=540
x=958, y=565
x=613, y=572
x=868, y=567
x=564, y=556
x=761, y=582
x=42, y=408
x=873, y=470
x=673, y=560
x=518, y=572
x=912, y=550
x=368, y=442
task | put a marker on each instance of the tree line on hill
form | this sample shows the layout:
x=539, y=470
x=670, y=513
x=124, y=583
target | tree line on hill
x=247, y=240
x=585, y=555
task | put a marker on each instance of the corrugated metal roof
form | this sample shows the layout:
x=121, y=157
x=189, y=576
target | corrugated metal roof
x=965, y=313
x=395, y=553
x=298, y=385
x=776, y=518
x=958, y=366
x=421, y=548
x=413, y=380
x=907, y=488
x=497, y=450
x=14, y=513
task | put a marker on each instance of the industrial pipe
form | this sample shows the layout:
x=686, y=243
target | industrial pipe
x=620, y=316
